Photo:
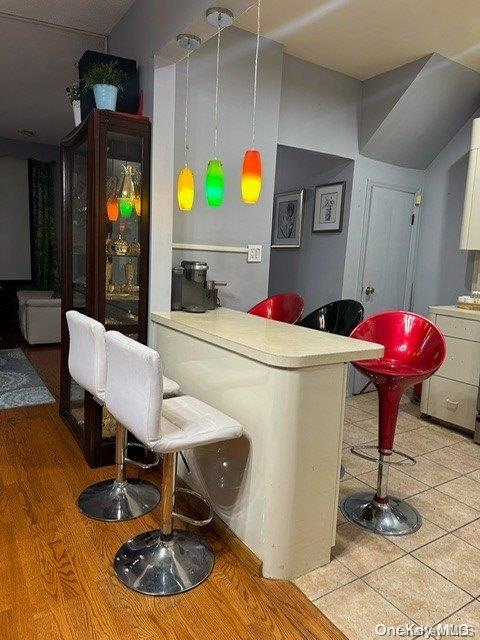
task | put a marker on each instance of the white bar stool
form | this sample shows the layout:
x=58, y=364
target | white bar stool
x=165, y=561
x=117, y=499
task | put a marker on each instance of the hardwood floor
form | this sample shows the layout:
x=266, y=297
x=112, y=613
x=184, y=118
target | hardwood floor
x=56, y=576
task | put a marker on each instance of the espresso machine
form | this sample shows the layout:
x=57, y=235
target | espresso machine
x=191, y=291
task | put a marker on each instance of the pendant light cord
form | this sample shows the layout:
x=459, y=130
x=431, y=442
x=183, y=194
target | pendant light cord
x=186, y=106
x=215, y=140
x=255, y=76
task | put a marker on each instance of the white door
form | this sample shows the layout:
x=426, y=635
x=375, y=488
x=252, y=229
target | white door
x=389, y=252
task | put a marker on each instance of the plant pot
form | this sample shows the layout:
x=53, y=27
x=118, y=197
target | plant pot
x=77, y=114
x=105, y=96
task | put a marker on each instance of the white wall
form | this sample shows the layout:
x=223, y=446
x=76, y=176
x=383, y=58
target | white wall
x=316, y=269
x=443, y=271
x=15, y=263
x=234, y=223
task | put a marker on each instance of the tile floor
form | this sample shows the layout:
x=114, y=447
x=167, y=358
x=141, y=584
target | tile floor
x=429, y=577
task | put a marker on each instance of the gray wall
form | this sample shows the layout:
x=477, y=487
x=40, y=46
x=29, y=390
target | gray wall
x=234, y=223
x=145, y=28
x=441, y=96
x=316, y=269
x=319, y=109
x=24, y=149
x=443, y=271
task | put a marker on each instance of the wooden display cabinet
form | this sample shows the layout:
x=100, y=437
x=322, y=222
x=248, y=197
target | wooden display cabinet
x=105, y=252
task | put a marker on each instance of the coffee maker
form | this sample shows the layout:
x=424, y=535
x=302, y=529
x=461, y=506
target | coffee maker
x=191, y=291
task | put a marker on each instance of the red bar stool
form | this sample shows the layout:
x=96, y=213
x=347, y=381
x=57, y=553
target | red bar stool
x=284, y=307
x=414, y=350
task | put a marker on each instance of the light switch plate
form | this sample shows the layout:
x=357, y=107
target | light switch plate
x=254, y=253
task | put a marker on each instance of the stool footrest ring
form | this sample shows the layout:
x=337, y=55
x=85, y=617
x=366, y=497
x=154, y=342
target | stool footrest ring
x=184, y=518
x=408, y=461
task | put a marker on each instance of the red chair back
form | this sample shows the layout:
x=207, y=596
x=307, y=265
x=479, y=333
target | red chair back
x=414, y=346
x=284, y=307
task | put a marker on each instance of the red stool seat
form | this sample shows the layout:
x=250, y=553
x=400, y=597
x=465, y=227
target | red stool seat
x=414, y=350
x=284, y=307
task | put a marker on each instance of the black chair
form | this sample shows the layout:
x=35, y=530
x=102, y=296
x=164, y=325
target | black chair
x=340, y=317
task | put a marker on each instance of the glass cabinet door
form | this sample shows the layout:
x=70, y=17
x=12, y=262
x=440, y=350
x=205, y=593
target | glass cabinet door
x=79, y=222
x=123, y=213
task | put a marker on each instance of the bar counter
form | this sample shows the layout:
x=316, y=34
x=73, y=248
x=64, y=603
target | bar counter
x=277, y=487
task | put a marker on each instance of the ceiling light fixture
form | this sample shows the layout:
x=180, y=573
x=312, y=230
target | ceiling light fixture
x=186, y=178
x=251, y=183
x=214, y=177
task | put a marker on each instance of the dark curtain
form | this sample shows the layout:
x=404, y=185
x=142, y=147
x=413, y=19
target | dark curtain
x=43, y=226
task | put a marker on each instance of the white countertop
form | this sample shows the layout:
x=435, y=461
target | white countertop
x=456, y=312
x=273, y=343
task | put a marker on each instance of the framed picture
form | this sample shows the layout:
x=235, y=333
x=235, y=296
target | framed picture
x=328, y=212
x=288, y=219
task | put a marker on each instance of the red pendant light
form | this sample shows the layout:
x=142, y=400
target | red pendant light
x=251, y=183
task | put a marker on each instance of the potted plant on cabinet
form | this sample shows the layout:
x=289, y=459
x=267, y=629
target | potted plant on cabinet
x=74, y=92
x=106, y=80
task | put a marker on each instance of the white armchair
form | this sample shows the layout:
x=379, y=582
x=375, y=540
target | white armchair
x=40, y=316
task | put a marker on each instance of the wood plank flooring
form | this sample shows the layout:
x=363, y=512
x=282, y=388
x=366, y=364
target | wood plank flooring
x=56, y=576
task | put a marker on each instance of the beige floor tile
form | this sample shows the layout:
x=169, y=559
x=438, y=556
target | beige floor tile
x=358, y=400
x=398, y=483
x=443, y=510
x=470, y=533
x=465, y=489
x=427, y=533
x=325, y=579
x=405, y=423
x=423, y=440
x=469, y=615
x=469, y=447
x=451, y=434
x=355, y=465
x=356, y=609
x=355, y=414
x=362, y=551
x=353, y=434
x=417, y=591
x=475, y=475
x=450, y=457
x=454, y=559
x=352, y=485
x=430, y=472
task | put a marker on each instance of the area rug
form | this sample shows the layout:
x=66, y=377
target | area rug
x=20, y=385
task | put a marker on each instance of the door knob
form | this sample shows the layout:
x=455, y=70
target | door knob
x=369, y=290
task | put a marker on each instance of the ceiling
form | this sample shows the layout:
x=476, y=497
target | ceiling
x=363, y=38
x=95, y=16
x=34, y=78
x=40, y=43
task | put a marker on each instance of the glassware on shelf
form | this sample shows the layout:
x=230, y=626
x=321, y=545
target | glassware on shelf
x=109, y=286
x=129, y=268
x=126, y=199
x=134, y=249
x=120, y=246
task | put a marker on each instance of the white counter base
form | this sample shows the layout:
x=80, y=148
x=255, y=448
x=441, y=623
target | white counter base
x=276, y=488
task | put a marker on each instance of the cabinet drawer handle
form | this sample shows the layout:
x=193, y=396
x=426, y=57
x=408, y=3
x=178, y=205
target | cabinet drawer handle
x=452, y=405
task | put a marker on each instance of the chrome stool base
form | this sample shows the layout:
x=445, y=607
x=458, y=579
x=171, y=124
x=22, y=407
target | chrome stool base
x=393, y=518
x=112, y=501
x=151, y=566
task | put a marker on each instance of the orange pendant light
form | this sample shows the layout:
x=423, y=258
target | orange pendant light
x=251, y=183
x=186, y=178
x=251, y=176
x=186, y=189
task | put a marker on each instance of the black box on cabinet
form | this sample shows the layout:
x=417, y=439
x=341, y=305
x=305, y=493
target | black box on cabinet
x=127, y=101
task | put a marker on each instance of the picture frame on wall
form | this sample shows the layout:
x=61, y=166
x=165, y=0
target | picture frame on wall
x=288, y=209
x=329, y=205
